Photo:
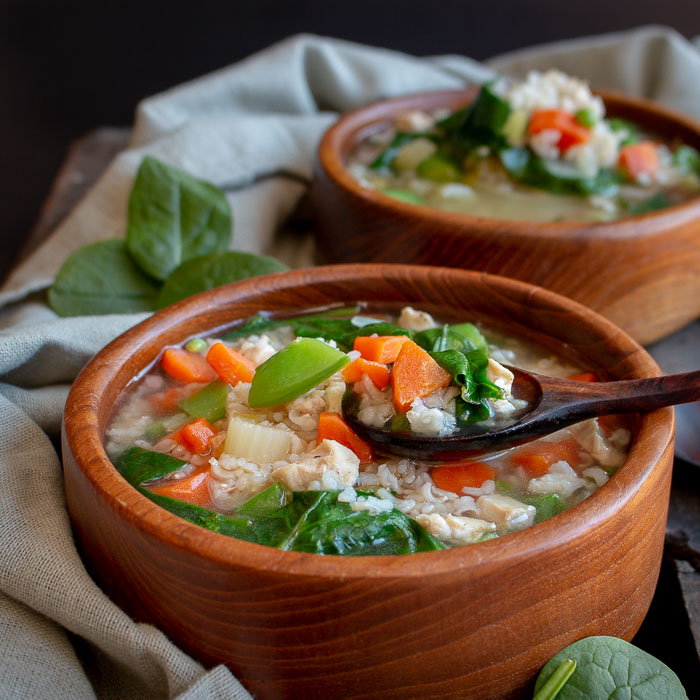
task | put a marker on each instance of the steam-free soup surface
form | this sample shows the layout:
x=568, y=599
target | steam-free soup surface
x=245, y=435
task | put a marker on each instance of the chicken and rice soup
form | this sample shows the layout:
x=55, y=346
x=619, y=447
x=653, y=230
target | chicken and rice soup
x=541, y=149
x=244, y=435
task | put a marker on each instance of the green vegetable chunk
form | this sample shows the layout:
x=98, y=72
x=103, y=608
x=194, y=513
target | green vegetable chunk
x=154, y=432
x=174, y=217
x=209, y=402
x=196, y=345
x=307, y=521
x=101, y=278
x=607, y=667
x=687, y=159
x=293, y=371
x=407, y=196
x=209, y=271
x=585, y=117
x=438, y=169
x=547, y=505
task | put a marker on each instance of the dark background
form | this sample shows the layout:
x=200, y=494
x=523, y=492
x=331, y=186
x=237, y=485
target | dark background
x=67, y=67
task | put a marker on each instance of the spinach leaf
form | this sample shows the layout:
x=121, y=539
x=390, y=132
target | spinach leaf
x=306, y=521
x=468, y=371
x=101, y=278
x=632, y=134
x=478, y=124
x=462, y=336
x=608, y=667
x=687, y=159
x=174, y=217
x=262, y=322
x=209, y=271
x=522, y=164
x=659, y=200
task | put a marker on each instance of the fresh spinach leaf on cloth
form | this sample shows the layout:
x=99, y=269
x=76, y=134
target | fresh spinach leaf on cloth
x=209, y=271
x=608, y=667
x=101, y=278
x=174, y=217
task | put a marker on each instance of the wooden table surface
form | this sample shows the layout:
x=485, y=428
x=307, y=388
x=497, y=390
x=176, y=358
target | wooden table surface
x=671, y=630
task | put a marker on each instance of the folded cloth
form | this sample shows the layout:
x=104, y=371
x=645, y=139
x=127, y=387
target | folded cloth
x=61, y=635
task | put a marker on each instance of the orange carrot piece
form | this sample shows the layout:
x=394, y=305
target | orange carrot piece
x=166, y=401
x=639, y=158
x=229, y=364
x=331, y=426
x=187, y=366
x=572, y=133
x=609, y=424
x=585, y=377
x=414, y=375
x=380, y=348
x=197, y=435
x=193, y=488
x=454, y=477
x=537, y=458
x=377, y=372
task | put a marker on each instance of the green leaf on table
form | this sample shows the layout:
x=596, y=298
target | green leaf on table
x=209, y=271
x=174, y=217
x=608, y=667
x=101, y=278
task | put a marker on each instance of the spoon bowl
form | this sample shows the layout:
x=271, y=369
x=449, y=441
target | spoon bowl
x=552, y=403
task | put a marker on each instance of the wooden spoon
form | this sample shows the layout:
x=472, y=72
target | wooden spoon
x=552, y=404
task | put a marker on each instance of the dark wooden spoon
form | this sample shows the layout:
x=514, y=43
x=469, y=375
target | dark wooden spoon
x=552, y=404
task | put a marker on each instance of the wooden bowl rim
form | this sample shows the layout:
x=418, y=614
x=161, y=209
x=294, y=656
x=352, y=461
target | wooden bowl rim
x=361, y=119
x=81, y=423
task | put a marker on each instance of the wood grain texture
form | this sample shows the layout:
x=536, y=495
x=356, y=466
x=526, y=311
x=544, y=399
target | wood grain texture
x=642, y=272
x=475, y=621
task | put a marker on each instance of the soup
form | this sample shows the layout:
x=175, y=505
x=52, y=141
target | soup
x=244, y=435
x=541, y=149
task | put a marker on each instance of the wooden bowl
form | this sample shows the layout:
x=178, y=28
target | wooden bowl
x=642, y=272
x=478, y=620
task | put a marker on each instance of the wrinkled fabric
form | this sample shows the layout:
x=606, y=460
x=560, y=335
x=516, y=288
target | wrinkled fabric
x=62, y=637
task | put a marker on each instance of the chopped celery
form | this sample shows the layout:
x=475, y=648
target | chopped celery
x=403, y=195
x=547, y=505
x=209, y=402
x=256, y=443
x=154, y=432
x=438, y=169
x=293, y=371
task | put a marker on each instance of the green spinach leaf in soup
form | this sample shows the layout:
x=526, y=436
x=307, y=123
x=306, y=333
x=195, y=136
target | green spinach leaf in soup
x=305, y=521
x=174, y=217
x=101, y=278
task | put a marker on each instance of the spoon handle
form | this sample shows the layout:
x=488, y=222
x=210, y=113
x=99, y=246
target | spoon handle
x=627, y=396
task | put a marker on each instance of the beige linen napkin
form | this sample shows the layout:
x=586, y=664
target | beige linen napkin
x=61, y=636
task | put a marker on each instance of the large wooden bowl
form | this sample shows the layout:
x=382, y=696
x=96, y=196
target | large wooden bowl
x=642, y=272
x=476, y=621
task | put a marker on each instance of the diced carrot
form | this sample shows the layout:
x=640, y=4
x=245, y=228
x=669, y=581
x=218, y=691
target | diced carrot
x=193, y=488
x=414, y=375
x=331, y=426
x=197, y=435
x=230, y=365
x=537, y=458
x=585, y=377
x=166, y=401
x=640, y=158
x=376, y=371
x=609, y=424
x=572, y=132
x=380, y=348
x=454, y=477
x=187, y=366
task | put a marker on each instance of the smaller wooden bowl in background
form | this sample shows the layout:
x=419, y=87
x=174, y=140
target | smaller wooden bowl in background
x=641, y=272
x=479, y=620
